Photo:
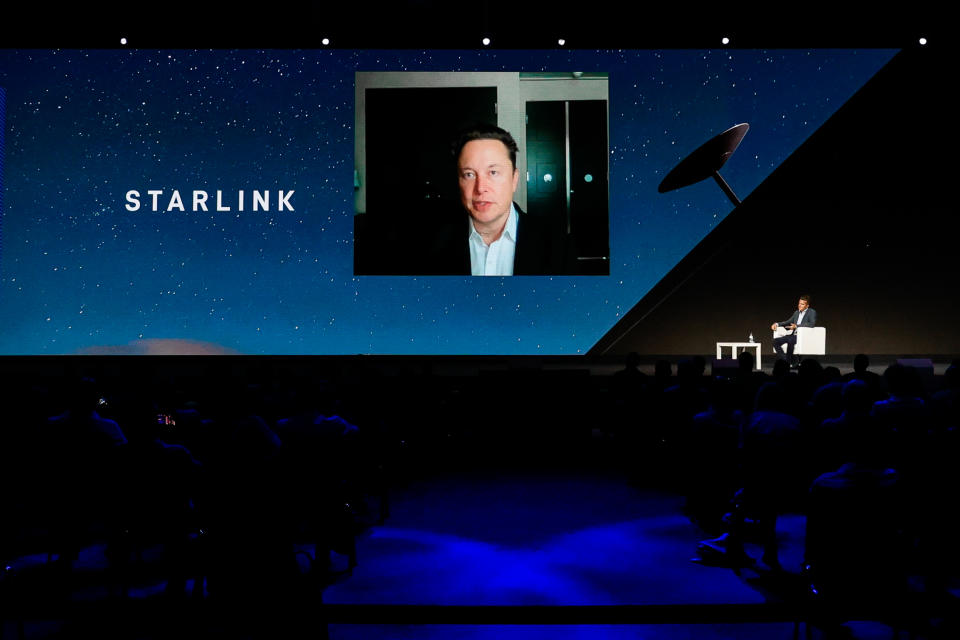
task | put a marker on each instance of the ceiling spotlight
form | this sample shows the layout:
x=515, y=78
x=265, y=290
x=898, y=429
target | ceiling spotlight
x=486, y=41
x=325, y=41
x=561, y=42
x=923, y=41
x=725, y=40
x=123, y=41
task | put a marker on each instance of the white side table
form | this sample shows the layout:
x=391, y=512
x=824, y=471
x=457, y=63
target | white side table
x=739, y=345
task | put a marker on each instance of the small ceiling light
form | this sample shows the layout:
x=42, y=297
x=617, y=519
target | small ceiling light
x=486, y=41
x=561, y=42
x=325, y=41
x=123, y=41
x=725, y=40
x=923, y=41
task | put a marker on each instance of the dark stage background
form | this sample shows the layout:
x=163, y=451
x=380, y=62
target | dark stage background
x=862, y=217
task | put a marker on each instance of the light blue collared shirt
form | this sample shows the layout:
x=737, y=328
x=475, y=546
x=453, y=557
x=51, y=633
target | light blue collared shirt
x=495, y=259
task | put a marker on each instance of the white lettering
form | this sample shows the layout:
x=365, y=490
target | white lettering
x=261, y=198
x=133, y=197
x=284, y=198
x=175, y=201
x=220, y=206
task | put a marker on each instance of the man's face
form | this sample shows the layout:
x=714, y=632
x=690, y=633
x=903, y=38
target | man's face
x=488, y=181
x=802, y=305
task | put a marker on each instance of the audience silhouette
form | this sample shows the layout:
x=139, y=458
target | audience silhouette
x=231, y=482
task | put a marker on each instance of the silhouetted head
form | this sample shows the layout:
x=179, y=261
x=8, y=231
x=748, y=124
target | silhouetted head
x=686, y=370
x=633, y=360
x=902, y=380
x=770, y=397
x=723, y=395
x=810, y=369
x=663, y=370
x=699, y=365
x=83, y=396
x=781, y=368
x=831, y=374
x=857, y=397
x=860, y=362
x=745, y=362
x=951, y=377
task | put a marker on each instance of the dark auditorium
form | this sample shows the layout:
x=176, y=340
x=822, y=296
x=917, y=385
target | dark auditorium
x=695, y=376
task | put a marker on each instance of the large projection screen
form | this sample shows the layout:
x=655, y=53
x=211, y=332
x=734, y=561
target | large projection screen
x=205, y=201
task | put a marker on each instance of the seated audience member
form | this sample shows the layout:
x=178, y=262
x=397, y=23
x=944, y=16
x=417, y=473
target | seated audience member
x=713, y=476
x=86, y=451
x=631, y=370
x=748, y=381
x=772, y=454
x=163, y=480
x=902, y=417
x=662, y=375
x=904, y=395
x=945, y=404
x=80, y=425
x=248, y=548
x=809, y=379
x=861, y=372
x=688, y=396
x=330, y=441
x=700, y=368
x=834, y=439
x=628, y=388
x=827, y=401
x=678, y=404
x=781, y=369
x=855, y=543
x=324, y=469
x=923, y=449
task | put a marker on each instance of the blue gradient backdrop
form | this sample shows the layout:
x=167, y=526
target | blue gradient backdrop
x=81, y=274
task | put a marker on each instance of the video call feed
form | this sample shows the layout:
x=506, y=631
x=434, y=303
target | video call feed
x=288, y=202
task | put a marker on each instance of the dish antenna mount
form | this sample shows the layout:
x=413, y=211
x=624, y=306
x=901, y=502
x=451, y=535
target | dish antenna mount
x=705, y=162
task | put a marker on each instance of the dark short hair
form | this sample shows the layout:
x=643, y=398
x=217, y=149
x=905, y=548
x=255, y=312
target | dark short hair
x=860, y=362
x=856, y=395
x=485, y=131
x=806, y=298
x=770, y=397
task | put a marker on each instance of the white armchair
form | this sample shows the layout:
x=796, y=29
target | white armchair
x=811, y=341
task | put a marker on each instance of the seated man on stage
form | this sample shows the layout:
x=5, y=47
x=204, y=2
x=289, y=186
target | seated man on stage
x=804, y=316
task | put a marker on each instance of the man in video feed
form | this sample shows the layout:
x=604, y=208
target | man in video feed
x=496, y=238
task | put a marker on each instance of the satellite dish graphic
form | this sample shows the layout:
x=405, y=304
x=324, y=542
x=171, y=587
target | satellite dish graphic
x=705, y=162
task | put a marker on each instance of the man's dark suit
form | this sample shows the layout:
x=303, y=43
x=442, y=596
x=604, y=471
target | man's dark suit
x=542, y=248
x=809, y=320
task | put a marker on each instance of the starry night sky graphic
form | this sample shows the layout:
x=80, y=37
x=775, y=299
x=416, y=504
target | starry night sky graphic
x=81, y=274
